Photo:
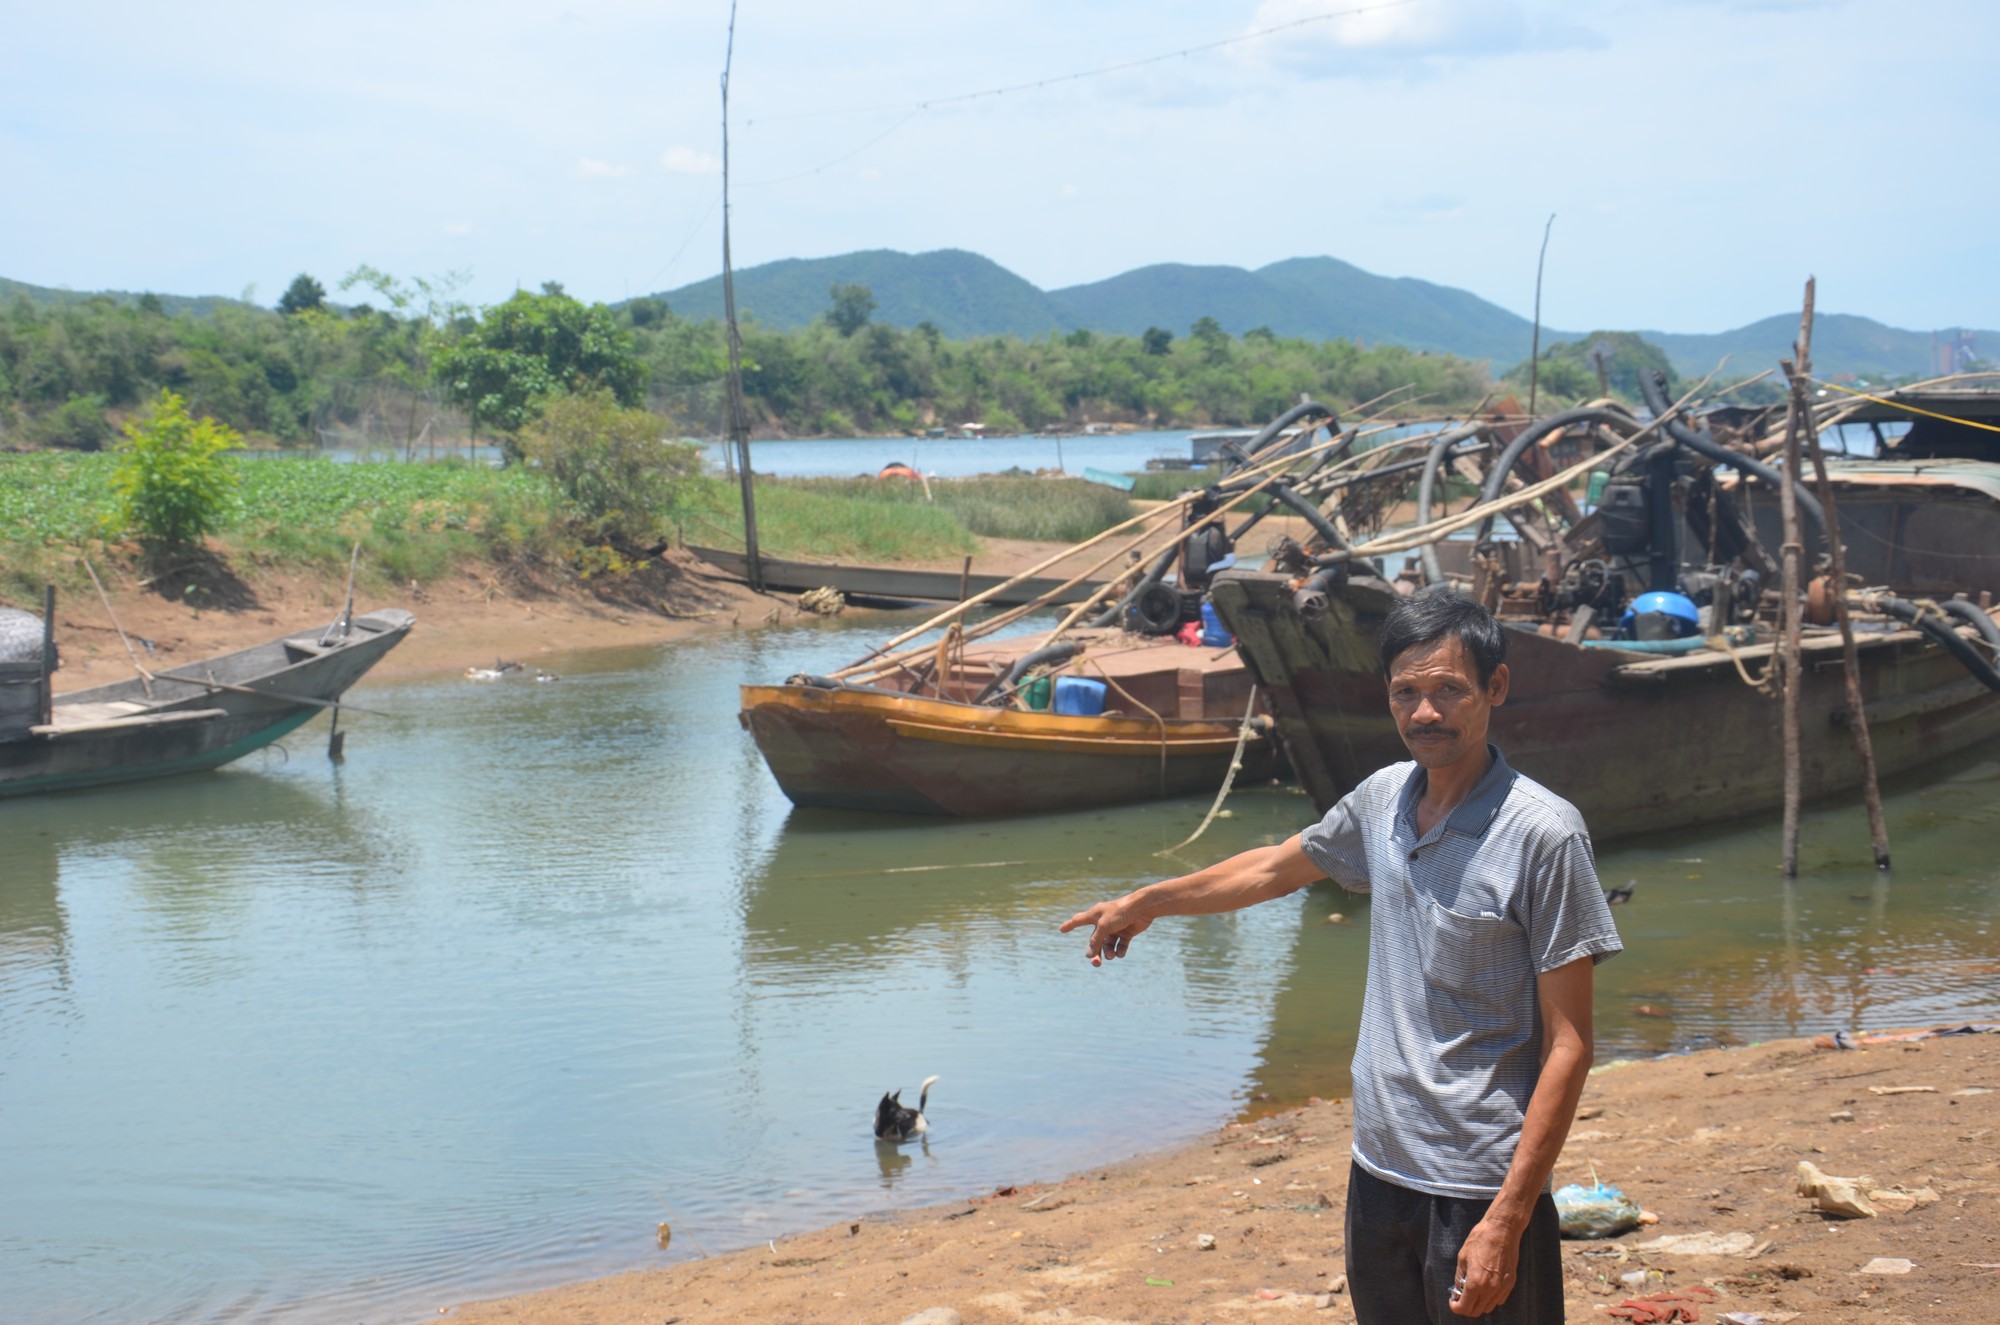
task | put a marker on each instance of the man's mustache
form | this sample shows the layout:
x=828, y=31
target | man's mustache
x=1429, y=731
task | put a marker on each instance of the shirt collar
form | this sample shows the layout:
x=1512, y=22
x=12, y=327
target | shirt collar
x=1473, y=815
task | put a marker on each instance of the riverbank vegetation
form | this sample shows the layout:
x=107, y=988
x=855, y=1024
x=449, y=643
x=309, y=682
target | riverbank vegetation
x=419, y=523
x=413, y=370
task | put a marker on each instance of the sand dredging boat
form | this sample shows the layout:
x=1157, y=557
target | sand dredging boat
x=1634, y=565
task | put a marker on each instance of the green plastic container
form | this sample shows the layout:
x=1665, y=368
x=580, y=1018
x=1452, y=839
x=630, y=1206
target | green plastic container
x=1036, y=694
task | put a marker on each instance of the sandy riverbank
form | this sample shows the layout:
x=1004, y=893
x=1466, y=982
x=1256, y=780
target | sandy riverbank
x=468, y=619
x=1708, y=1142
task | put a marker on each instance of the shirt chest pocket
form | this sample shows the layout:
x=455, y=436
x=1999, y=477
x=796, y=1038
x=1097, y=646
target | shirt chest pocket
x=1474, y=956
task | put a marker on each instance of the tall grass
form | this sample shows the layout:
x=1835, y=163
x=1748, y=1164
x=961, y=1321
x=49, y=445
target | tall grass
x=893, y=520
x=416, y=522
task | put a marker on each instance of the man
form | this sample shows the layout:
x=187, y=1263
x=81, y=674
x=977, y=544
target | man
x=1487, y=919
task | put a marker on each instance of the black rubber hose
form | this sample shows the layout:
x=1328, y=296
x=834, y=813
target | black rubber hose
x=1324, y=527
x=1496, y=477
x=1981, y=621
x=1311, y=600
x=1427, y=486
x=1154, y=573
x=1060, y=651
x=1653, y=387
x=1305, y=409
x=1941, y=630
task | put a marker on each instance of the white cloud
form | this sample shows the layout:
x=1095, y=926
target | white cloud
x=1395, y=38
x=590, y=167
x=687, y=161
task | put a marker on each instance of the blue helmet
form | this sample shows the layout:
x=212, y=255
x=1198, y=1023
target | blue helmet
x=1672, y=604
x=1660, y=615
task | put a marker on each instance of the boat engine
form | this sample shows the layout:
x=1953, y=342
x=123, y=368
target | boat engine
x=1589, y=583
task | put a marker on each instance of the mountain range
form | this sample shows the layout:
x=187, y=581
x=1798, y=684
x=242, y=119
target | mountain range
x=965, y=294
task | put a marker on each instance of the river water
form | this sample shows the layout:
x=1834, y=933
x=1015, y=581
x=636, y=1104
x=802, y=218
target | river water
x=545, y=964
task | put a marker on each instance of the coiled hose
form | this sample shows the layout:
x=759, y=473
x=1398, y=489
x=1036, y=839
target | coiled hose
x=1653, y=386
x=1934, y=624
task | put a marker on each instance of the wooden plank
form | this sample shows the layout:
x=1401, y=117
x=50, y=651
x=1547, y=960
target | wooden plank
x=888, y=581
x=128, y=724
x=1081, y=745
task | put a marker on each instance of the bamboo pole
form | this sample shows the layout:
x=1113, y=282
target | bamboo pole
x=1269, y=470
x=1790, y=555
x=1800, y=372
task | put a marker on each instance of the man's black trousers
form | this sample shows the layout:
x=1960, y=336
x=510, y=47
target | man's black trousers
x=1402, y=1256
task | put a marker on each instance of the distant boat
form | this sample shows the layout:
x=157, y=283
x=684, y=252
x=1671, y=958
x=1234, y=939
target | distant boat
x=189, y=718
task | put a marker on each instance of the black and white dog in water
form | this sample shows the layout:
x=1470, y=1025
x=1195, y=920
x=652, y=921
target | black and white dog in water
x=894, y=1121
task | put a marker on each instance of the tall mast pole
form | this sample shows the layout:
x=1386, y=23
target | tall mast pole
x=739, y=429
x=1535, y=347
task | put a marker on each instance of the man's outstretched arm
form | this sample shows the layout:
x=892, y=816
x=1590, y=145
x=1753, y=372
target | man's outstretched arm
x=1254, y=876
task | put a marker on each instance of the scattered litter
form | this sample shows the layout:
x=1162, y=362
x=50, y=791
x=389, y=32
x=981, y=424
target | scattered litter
x=1841, y=1116
x=1323, y=1300
x=1902, y=1090
x=663, y=1235
x=1757, y=1317
x=1888, y=1265
x=1662, y=1308
x=1597, y=1211
x=1159, y=1283
x=1834, y=1196
x=1973, y=1090
x=823, y=601
x=934, y=1316
x=1269, y=1294
x=1700, y=1244
x=1046, y=1202
x=1205, y=1242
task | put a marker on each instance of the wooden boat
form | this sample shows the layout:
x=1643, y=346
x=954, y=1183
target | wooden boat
x=190, y=718
x=919, y=743
x=891, y=583
x=1645, y=736
x=1639, y=743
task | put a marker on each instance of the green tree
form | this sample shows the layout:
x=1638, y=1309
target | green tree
x=853, y=305
x=1214, y=341
x=78, y=424
x=303, y=295
x=621, y=478
x=533, y=347
x=174, y=482
x=1157, y=340
x=1602, y=361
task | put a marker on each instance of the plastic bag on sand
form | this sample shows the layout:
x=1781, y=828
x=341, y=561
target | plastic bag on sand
x=1596, y=1211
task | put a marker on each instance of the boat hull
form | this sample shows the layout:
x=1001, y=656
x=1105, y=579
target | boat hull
x=862, y=749
x=1638, y=744
x=188, y=726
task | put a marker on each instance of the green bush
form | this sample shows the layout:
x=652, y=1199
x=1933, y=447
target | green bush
x=174, y=481
x=621, y=478
x=78, y=424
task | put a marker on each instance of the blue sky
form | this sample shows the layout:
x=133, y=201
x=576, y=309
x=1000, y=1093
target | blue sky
x=1702, y=157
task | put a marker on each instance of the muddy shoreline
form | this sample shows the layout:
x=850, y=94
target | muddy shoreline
x=1248, y=1221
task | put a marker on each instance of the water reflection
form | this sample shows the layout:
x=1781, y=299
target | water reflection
x=542, y=965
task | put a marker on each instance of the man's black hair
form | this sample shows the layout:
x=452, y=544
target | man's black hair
x=1427, y=618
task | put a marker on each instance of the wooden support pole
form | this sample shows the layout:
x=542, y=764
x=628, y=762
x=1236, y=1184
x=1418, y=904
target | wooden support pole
x=1799, y=371
x=48, y=653
x=1790, y=608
